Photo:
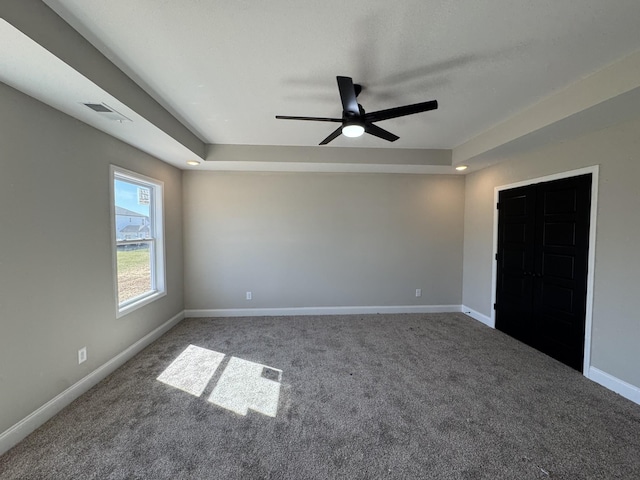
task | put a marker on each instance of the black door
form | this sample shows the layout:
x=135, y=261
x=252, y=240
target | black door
x=543, y=242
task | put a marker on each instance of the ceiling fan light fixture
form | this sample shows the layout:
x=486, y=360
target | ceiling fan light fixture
x=353, y=129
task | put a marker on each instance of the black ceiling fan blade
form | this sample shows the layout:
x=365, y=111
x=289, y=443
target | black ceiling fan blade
x=313, y=119
x=348, y=95
x=335, y=134
x=380, y=132
x=401, y=111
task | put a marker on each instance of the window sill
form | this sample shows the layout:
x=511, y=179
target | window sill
x=131, y=307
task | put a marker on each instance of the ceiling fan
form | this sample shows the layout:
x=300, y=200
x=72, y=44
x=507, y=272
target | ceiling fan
x=355, y=121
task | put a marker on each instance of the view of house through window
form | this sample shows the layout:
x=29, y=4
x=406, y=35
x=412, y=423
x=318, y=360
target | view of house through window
x=138, y=237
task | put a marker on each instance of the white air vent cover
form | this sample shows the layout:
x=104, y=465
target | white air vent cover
x=106, y=111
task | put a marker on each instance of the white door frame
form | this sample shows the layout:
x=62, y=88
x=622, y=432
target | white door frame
x=591, y=262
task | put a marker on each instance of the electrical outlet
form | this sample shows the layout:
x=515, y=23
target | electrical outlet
x=418, y=292
x=82, y=355
x=248, y=295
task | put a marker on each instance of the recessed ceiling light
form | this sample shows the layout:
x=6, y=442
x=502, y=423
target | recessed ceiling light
x=461, y=168
x=193, y=162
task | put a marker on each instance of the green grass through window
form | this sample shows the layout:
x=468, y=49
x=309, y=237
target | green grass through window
x=134, y=273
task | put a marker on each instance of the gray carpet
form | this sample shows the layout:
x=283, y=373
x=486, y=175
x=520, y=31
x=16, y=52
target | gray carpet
x=436, y=396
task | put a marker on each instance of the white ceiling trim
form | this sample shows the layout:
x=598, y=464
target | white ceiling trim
x=618, y=78
x=35, y=71
x=254, y=166
x=41, y=26
x=288, y=153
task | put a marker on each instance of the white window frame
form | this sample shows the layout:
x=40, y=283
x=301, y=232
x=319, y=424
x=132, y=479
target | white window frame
x=156, y=212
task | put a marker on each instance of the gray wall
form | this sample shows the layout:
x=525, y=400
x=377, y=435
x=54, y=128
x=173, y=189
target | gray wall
x=314, y=240
x=616, y=324
x=56, y=276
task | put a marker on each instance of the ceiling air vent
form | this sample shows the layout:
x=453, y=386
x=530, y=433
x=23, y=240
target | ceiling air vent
x=106, y=111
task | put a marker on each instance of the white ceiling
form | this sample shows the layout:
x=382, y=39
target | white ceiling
x=226, y=68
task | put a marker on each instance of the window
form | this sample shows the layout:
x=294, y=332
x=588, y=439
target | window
x=138, y=239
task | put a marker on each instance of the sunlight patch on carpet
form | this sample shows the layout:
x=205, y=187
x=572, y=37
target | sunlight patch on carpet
x=243, y=386
x=192, y=370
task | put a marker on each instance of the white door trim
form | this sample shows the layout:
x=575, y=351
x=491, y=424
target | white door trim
x=593, y=170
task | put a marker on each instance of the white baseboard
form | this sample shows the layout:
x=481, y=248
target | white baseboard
x=291, y=311
x=631, y=392
x=12, y=436
x=621, y=387
x=478, y=316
